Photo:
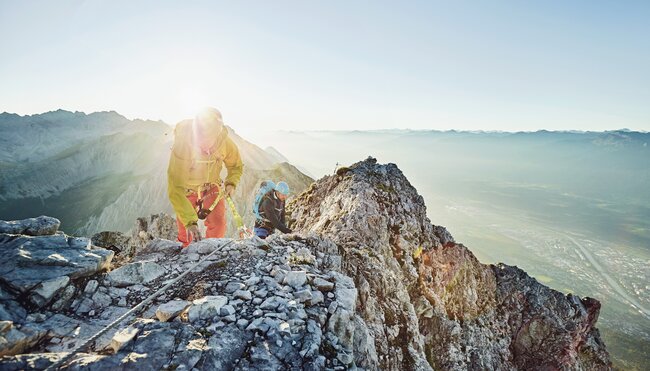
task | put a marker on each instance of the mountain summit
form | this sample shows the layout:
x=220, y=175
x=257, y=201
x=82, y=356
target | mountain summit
x=427, y=300
x=365, y=282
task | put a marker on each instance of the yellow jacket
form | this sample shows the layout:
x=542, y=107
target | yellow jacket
x=190, y=168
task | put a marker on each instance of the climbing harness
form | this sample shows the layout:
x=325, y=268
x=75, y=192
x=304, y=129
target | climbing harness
x=201, y=212
x=207, y=187
x=57, y=365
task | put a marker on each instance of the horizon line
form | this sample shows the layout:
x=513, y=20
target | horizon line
x=480, y=131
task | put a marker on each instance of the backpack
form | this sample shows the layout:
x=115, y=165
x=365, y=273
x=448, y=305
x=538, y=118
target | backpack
x=266, y=187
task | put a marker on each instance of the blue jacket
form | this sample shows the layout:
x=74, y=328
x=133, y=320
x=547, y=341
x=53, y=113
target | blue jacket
x=272, y=213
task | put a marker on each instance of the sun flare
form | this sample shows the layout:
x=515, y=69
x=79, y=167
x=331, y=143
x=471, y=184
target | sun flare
x=191, y=100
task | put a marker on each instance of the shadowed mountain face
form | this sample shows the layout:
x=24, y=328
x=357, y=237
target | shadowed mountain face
x=101, y=171
x=571, y=209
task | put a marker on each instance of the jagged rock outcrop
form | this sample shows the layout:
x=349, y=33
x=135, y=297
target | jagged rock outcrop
x=41, y=226
x=366, y=282
x=428, y=302
x=36, y=267
x=146, y=230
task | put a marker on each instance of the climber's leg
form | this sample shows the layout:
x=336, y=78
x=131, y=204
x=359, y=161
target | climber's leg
x=182, y=232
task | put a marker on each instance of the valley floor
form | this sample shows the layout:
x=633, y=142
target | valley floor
x=565, y=259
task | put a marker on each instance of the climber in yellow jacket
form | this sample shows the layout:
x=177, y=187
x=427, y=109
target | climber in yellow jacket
x=201, y=147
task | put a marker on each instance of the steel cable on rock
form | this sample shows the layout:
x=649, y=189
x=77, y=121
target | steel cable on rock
x=58, y=364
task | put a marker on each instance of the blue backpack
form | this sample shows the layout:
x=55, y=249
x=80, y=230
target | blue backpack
x=266, y=187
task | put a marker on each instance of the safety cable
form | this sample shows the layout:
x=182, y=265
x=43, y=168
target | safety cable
x=66, y=358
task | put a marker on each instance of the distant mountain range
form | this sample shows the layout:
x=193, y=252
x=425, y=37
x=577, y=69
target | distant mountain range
x=603, y=164
x=101, y=171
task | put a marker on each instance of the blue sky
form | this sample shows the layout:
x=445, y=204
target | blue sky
x=483, y=65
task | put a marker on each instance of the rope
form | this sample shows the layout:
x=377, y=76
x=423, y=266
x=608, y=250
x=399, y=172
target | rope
x=57, y=365
x=241, y=228
x=222, y=192
x=235, y=215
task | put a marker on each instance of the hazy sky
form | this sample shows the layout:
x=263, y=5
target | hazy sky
x=483, y=65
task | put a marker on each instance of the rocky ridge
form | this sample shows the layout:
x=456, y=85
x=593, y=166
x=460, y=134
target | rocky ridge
x=249, y=306
x=367, y=282
x=427, y=301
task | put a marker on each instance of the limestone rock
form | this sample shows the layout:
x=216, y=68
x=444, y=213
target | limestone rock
x=27, y=261
x=91, y=286
x=40, y=226
x=171, y=309
x=135, y=273
x=234, y=286
x=45, y=291
x=243, y=295
x=323, y=285
x=158, y=245
x=206, y=307
x=317, y=297
x=123, y=337
x=101, y=300
x=227, y=310
x=30, y=361
x=115, y=241
x=273, y=303
x=346, y=298
x=295, y=279
x=303, y=295
x=225, y=348
x=65, y=298
x=16, y=341
x=443, y=235
x=146, y=229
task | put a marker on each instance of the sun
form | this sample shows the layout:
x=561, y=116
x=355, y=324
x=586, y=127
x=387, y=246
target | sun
x=191, y=100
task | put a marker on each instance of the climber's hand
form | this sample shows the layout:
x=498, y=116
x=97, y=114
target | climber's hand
x=193, y=233
x=230, y=190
